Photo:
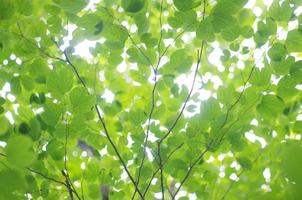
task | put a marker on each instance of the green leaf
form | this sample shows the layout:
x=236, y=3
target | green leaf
x=281, y=12
x=80, y=100
x=231, y=32
x=270, y=107
x=209, y=109
x=52, y=113
x=298, y=127
x=277, y=52
x=15, y=85
x=261, y=78
x=72, y=6
x=60, y=81
x=286, y=88
x=55, y=149
x=294, y=41
x=24, y=7
x=205, y=30
x=180, y=62
x=296, y=71
x=11, y=182
x=20, y=151
x=4, y=125
x=7, y=8
x=245, y=163
x=2, y=101
x=186, y=5
x=133, y=6
x=291, y=161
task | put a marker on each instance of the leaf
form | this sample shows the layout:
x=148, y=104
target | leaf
x=294, y=41
x=277, y=52
x=291, y=161
x=209, y=109
x=60, y=81
x=7, y=8
x=80, y=100
x=133, y=6
x=231, y=32
x=52, y=113
x=205, y=30
x=281, y=12
x=180, y=62
x=245, y=163
x=2, y=101
x=4, y=125
x=19, y=151
x=270, y=107
x=186, y=5
x=261, y=78
x=296, y=71
x=55, y=149
x=286, y=87
x=11, y=182
x=15, y=85
x=24, y=7
x=72, y=6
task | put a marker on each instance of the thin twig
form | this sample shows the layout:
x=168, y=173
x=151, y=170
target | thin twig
x=189, y=171
x=46, y=177
x=238, y=175
x=70, y=191
x=207, y=149
x=104, y=126
x=152, y=99
x=225, y=121
x=157, y=170
x=131, y=39
x=199, y=55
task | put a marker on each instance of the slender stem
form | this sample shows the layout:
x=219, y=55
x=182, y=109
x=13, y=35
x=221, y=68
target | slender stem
x=131, y=39
x=189, y=171
x=206, y=150
x=152, y=98
x=238, y=175
x=116, y=151
x=104, y=127
x=157, y=170
x=46, y=177
x=70, y=191
x=199, y=55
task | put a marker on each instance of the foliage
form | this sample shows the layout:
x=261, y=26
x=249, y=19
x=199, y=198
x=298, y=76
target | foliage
x=198, y=96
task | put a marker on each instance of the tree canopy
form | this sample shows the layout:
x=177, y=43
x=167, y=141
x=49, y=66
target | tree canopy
x=178, y=99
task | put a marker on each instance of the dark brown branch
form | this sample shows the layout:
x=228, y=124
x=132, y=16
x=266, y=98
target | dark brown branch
x=105, y=192
x=189, y=171
x=33, y=43
x=157, y=170
x=68, y=185
x=152, y=98
x=104, y=126
x=46, y=177
x=199, y=55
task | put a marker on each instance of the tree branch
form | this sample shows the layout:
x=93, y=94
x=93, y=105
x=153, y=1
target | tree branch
x=157, y=170
x=104, y=126
x=46, y=177
x=131, y=39
x=206, y=150
x=238, y=175
x=199, y=55
x=152, y=98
